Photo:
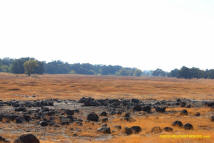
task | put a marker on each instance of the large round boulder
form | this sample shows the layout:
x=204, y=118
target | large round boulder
x=93, y=117
x=27, y=138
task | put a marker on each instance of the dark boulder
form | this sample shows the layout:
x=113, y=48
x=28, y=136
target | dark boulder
x=10, y=117
x=184, y=112
x=177, y=123
x=188, y=126
x=128, y=131
x=47, y=103
x=20, y=120
x=136, y=129
x=88, y=101
x=27, y=138
x=69, y=112
x=210, y=104
x=103, y=114
x=70, y=117
x=137, y=108
x=168, y=129
x=93, y=117
x=135, y=101
x=160, y=109
x=43, y=123
x=197, y=114
x=183, y=104
x=212, y=118
x=4, y=140
x=147, y=109
x=127, y=117
x=20, y=109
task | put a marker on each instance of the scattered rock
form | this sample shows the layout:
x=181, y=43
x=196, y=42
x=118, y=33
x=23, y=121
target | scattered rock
x=69, y=112
x=147, y=109
x=168, y=129
x=137, y=108
x=197, y=114
x=177, y=123
x=93, y=117
x=160, y=109
x=103, y=114
x=127, y=117
x=104, y=119
x=19, y=109
x=4, y=140
x=64, y=121
x=156, y=130
x=136, y=129
x=188, y=126
x=43, y=123
x=184, y=112
x=27, y=138
x=212, y=118
x=104, y=129
x=128, y=131
x=20, y=120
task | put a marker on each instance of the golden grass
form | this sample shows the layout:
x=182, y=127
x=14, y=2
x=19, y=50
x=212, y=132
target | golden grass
x=77, y=86
x=22, y=87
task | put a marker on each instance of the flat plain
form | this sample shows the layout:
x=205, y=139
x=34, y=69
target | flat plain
x=68, y=88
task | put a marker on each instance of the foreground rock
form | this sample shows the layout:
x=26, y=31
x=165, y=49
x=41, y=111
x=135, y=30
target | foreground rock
x=104, y=129
x=136, y=129
x=133, y=129
x=212, y=118
x=93, y=117
x=3, y=140
x=168, y=129
x=27, y=138
x=156, y=130
x=188, y=126
x=160, y=109
x=177, y=123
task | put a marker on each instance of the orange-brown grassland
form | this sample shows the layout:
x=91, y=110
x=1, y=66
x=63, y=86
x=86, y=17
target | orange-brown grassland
x=124, y=95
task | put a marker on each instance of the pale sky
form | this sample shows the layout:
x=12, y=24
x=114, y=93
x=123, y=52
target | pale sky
x=146, y=34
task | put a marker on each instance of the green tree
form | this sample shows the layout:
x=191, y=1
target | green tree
x=17, y=66
x=159, y=72
x=30, y=66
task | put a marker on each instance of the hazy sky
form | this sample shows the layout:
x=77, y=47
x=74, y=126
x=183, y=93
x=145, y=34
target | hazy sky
x=147, y=34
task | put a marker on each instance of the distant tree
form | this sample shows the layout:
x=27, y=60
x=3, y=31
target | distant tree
x=18, y=65
x=40, y=68
x=174, y=73
x=137, y=72
x=57, y=67
x=209, y=74
x=124, y=72
x=159, y=72
x=30, y=66
x=185, y=72
x=197, y=73
x=109, y=70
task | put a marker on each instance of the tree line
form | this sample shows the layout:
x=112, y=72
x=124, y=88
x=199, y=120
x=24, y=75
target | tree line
x=33, y=66
x=185, y=72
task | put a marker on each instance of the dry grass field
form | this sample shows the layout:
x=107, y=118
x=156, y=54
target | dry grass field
x=76, y=86
x=21, y=87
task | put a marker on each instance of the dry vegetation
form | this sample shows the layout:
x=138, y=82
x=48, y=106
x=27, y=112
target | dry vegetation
x=21, y=87
x=77, y=86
